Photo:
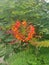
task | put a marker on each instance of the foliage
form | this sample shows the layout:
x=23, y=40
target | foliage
x=36, y=13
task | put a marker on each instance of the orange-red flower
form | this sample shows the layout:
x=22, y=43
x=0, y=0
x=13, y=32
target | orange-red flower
x=17, y=24
x=24, y=23
x=21, y=35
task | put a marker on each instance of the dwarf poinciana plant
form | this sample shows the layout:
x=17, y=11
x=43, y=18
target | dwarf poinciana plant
x=26, y=33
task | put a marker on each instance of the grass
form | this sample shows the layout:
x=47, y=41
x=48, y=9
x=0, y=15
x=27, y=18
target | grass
x=27, y=57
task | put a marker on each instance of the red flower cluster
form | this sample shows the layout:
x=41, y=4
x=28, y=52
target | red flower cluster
x=23, y=31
